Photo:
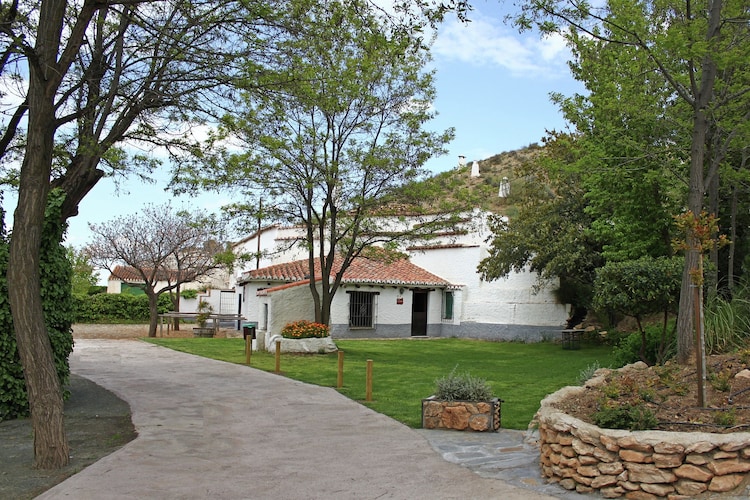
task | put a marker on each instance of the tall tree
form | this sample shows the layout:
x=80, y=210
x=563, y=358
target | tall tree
x=84, y=276
x=99, y=73
x=340, y=134
x=162, y=245
x=691, y=47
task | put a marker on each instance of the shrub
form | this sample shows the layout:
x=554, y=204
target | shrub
x=628, y=349
x=190, y=293
x=304, y=330
x=116, y=307
x=588, y=372
x=633, y=417
x=727, y=321
x=462, y=387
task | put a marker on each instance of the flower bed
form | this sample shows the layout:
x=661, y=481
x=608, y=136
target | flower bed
x=637, y=464
x=304, y=330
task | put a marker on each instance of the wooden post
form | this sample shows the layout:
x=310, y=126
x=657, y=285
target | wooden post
x=278, y=356
x=248, y=348
x=340, y=378
x=368, y=381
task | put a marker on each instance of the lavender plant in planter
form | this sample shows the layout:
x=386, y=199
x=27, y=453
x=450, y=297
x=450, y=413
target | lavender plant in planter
x=461, y=402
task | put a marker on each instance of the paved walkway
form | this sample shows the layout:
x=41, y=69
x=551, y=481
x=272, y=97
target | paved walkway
x=209, y=429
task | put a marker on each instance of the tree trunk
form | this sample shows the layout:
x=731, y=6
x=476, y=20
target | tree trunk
x=703, y=94
x=153, y=310
x=24, y=289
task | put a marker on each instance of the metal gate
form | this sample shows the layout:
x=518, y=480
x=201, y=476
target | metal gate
x=229, y=303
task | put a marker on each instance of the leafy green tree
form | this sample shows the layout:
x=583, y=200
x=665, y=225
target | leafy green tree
x=639, y=288
x=338, y=130
x=84, y=276
x=89, y=76
x=551, y=233
x=690, y=57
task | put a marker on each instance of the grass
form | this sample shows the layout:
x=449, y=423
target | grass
x=404, y=371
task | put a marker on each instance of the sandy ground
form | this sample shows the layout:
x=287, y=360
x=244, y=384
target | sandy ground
x=91, y=331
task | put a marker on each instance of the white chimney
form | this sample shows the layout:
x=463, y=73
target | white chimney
x=475, y=169
x=504, y=188
x=461, y=161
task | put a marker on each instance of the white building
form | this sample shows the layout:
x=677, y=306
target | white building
x=437, y=292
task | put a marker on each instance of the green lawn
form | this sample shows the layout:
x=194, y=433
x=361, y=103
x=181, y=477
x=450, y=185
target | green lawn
x=404, y=371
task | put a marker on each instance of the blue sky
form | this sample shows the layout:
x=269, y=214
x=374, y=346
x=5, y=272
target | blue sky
x=492, y=84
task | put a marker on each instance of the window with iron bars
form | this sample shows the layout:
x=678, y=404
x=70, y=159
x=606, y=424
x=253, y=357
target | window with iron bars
x=362, y=309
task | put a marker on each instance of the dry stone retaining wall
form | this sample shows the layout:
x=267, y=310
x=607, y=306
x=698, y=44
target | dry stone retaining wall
x=638, y=464
x=461, y=415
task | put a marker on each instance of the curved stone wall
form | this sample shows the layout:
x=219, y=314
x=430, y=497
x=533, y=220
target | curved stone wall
x=638, y=464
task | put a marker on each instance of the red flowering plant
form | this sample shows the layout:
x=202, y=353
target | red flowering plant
x=304, y=329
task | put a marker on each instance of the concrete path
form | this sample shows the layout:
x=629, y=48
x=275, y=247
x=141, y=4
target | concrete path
x=209, y=429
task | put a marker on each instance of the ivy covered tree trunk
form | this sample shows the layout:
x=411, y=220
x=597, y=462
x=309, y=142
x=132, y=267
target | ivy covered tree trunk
x=24, y=287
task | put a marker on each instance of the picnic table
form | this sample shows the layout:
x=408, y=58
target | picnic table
x=571, y=338
x=215, y=318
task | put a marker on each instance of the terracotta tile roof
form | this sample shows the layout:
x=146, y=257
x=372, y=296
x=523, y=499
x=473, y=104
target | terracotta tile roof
x=440, y=247
x=362, y=270
x=129, y=274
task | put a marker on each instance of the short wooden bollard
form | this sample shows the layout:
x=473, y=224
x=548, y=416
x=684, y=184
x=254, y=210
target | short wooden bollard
x=278, y=356
x=248, y=348
x=368, y=381
x=340, y=378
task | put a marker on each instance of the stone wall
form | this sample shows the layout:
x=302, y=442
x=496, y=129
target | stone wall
x=461, y=415
x=638, y=464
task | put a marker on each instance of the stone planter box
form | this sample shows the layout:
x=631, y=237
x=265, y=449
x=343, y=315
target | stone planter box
x=479, y=416
x=308, y=346
x=637, y=464
x=203, y=332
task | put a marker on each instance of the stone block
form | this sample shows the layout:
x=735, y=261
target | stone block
x=669, y=448
x=568, y=484
x=639, y=457
x=690, y=488
x=664, y=461
x=732, y=466
x=725, y=483
x=609, y=443
x=693, y=473
x=588, y=460
x=632, y=443
x=588, y=471
x=647, y=473
x=615, y=492
x=700, y=447
x=697, y=459
x=603, y=481
x=660, y=490
x=640, y=495
x=612, y=468
x=736, y=445
x=582, y=448
x=605, y=455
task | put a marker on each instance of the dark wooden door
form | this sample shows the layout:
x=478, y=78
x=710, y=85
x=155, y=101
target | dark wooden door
x=419, y=313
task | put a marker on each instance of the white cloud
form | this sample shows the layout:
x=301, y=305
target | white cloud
x=488, y=42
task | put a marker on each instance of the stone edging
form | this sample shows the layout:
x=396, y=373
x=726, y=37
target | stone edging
x=636, y=464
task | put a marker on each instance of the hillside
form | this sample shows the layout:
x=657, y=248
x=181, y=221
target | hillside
x=485, y=188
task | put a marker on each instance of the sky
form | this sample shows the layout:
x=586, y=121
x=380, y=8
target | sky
x=493, y=87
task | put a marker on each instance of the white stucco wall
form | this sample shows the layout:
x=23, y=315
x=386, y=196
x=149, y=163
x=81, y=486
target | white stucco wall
x=508, y=301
